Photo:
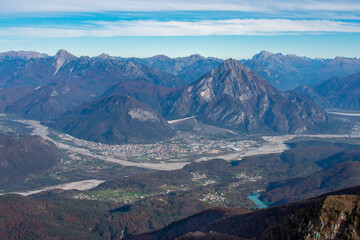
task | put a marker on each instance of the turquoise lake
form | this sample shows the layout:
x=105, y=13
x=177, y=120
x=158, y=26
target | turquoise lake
x=255, y=198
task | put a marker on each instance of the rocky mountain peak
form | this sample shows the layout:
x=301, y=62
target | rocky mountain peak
x=61, y=57
x=64, y=55
x=159, y=58
x=233, y=65
x=262, y=55
x=233, y=96
x=233, y=78
x=103, y=56
x=193, y=58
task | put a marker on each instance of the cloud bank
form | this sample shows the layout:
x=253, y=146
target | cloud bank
x=34, y=6
x=181, y=28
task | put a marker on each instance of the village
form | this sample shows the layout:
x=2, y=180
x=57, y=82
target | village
x=180, y=147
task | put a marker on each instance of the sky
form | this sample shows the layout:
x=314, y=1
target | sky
x=217, y=28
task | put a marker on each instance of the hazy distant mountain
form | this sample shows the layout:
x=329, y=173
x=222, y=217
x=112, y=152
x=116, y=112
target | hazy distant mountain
x=94, y=75
x=22, y=156
x=189, y=68
x=233, y=96
x=31, y=69
x=47, y=102
x=25, y=55
x=289, y=71
x=114, y=120
x=340, y=93
x=311, y=93
x=16, y=73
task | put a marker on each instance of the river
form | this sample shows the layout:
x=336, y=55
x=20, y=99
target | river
x=273, y=144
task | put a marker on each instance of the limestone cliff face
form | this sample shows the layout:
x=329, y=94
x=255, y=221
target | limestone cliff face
x=335, y=217
x=233, y=96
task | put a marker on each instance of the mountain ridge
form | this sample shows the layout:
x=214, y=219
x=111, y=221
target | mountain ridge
x=49, y=101
x=115, y=119
x=298, y=220
x=337, y=92
x=22, y=156
x=289, y=71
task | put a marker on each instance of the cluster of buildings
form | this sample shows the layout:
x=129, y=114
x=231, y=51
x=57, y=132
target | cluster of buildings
x=243, y=178
x=197, y=176
x=183, y=145
x=74, y=156
x=83, y=196
x=213, y=197
x=356, y=130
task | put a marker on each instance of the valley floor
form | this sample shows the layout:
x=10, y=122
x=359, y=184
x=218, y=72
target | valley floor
x=272, y=144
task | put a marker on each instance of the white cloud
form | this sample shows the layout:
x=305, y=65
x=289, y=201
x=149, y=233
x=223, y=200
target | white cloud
x=178, y=28
x=18, y=6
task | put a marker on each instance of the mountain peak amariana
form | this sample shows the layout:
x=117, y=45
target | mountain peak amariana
x=61, y=57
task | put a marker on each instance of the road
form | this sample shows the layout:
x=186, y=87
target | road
x=180, y=120
x=346, y=114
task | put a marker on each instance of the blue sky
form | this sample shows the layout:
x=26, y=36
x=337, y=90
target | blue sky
x=224, y=29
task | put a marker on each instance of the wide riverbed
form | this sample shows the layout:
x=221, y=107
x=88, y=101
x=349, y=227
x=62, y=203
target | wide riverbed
x=273, y=144
x=80, y=185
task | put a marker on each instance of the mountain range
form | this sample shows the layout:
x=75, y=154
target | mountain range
x=94, y=75
x=231, y=95
x=282, y=71
x=289, y=71
x=114, y=100
x=188, y=68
